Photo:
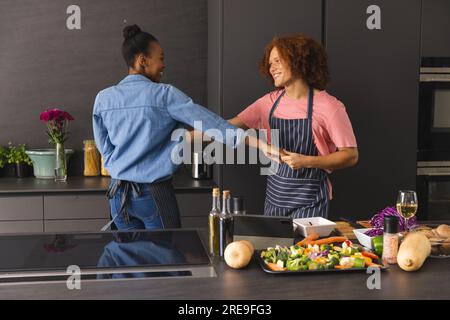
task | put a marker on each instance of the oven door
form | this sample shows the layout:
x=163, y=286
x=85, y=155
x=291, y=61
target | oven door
x=434, y=113
x=433, y=191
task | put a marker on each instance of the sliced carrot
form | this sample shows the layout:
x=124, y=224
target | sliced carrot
x=373, y=265
x=341, y=267
x=328, y=240
x=370, y=255
x=275, y=267
x=309, y=238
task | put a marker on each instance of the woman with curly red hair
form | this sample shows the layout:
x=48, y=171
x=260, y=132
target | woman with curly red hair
x=313, y=127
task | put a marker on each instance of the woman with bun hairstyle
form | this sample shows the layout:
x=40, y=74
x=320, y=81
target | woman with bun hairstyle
x=314, y=129
x=133, y=122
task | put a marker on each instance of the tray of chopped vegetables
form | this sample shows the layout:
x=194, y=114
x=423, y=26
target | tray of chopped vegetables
x=310, y=258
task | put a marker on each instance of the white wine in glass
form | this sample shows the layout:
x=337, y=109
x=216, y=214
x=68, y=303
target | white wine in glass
x=407, y=205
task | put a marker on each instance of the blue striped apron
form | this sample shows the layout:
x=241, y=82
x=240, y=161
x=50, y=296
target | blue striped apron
x=301, y=193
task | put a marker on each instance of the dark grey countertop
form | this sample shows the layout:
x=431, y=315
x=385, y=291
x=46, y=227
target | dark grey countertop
x=182, y=181
x=430, y=282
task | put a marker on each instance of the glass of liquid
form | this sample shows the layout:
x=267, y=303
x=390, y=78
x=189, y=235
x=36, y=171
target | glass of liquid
x=407, y=205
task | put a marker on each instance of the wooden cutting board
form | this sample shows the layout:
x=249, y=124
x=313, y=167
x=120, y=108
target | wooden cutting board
x=345, y=229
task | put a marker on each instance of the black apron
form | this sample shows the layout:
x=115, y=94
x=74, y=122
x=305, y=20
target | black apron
x=301, y=193
x=163, y=195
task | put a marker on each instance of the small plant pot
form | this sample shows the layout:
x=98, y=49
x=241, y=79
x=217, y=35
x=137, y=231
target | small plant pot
x=22, y=170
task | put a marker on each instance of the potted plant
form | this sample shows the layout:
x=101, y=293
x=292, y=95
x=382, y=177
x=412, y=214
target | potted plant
x=52, y=163
x=3, y=159
x=18, y=157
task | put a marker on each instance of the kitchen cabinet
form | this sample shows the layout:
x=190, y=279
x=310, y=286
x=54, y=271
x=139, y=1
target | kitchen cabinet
x=238, y=32
x=76, y=206
x=21, y=208
x=375, y=73
x=435, y=28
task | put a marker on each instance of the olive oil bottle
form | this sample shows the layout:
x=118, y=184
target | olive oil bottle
x=213, y=223
x=226, y=226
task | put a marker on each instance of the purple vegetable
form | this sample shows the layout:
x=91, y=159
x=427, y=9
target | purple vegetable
x=324, y=253
x=377, y=220
x=374, y=232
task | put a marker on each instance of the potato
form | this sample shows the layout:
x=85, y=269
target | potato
x=249, y=245
x=237, y=255
x=443, y=231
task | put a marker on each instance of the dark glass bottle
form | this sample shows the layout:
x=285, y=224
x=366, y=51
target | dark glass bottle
x=225, y=223
x=213, y=223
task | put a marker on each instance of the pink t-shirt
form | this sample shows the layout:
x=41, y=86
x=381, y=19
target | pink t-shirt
x=331, y=125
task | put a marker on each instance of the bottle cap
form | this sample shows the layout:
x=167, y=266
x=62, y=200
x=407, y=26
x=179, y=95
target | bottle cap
x=226, y=194
x=390, y=224
x=238, y=204
x=216, y=192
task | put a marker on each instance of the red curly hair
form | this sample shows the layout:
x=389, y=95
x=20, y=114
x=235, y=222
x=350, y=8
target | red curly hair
x=306, y=58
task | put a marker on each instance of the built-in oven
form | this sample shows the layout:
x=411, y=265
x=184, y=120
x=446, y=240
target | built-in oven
x=434, y=110
x=433, y=190
x=433, y=148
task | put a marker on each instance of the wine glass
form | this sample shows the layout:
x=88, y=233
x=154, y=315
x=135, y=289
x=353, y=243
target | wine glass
x=407, y=205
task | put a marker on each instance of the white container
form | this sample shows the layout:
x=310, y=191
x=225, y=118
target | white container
x=318, y=225
x=363, y=238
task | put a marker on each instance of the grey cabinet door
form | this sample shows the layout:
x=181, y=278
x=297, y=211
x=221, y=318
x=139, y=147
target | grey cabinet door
x=78, y=206
x=375, y=73
x=238, y=34
x=435, y=28
x=21, y=226
x=93, y=225
x=21, y=208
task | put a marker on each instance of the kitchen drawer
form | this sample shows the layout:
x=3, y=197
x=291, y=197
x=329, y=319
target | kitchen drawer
x=76, y=207
x=21, y=226
x=194, y=222
x=21, y=208
x=74, y=225
x=194, y=204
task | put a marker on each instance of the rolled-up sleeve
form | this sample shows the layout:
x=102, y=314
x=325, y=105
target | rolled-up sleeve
x=101, y=138
x=181, y=108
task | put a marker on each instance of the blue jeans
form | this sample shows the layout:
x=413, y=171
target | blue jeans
x=142, y=210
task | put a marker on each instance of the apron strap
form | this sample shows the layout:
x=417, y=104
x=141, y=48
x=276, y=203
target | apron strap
x=310, y=103
x=275, y=105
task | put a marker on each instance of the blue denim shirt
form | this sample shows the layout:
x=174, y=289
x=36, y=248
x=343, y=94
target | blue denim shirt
x=133, y=124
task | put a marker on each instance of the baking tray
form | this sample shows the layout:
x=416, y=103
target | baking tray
x=266, y=269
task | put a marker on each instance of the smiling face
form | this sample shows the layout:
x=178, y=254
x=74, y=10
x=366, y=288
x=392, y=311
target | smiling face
x=152, y=65
x=279, y=69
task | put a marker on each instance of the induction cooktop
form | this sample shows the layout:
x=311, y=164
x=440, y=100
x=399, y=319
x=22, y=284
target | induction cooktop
x=103, y=255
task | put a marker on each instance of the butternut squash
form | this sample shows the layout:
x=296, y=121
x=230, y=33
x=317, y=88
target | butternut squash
x=413, y=251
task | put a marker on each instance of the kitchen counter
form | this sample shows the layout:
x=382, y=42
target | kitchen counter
x=430, y=282
x=182, y=181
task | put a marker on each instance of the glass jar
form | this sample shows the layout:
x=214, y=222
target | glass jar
x=91, y=159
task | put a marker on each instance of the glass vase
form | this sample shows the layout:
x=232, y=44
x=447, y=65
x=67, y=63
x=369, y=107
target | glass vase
x=61, y=163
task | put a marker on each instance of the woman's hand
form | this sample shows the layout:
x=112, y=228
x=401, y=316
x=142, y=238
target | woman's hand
x=295, y=160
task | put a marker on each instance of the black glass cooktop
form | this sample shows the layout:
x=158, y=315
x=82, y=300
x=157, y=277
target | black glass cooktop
x=43, y=252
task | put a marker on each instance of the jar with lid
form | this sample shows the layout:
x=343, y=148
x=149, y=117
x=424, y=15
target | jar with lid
x=91, y=159
x=390, y=240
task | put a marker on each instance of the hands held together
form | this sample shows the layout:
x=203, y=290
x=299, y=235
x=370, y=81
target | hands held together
x=292, y=159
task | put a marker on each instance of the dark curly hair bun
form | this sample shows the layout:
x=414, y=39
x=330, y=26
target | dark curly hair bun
x=131, y=31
